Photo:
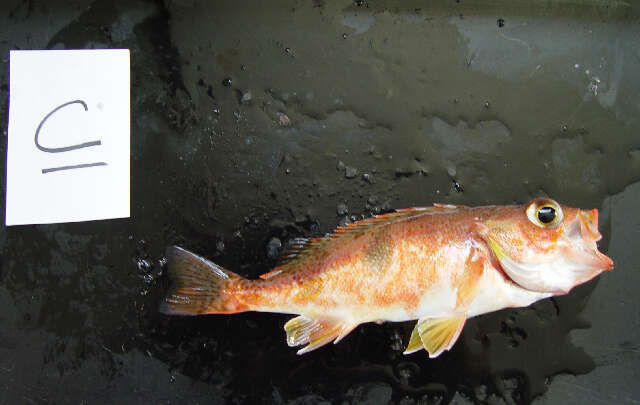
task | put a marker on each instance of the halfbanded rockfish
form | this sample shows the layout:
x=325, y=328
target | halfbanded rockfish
x=440, y=265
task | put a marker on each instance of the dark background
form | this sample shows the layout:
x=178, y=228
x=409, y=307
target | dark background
x=257, y=122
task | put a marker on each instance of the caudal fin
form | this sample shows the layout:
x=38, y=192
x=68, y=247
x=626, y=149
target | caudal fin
x=199, y=286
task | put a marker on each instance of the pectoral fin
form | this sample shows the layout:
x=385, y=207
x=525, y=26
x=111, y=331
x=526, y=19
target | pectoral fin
x=435, y=334
x=314, y=332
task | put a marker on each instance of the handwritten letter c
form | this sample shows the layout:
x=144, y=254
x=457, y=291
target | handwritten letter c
x=64, y=148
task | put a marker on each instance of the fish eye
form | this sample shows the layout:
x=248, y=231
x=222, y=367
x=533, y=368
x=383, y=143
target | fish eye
x=544, y=213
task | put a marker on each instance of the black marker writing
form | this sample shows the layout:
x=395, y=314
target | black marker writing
x=66, y=148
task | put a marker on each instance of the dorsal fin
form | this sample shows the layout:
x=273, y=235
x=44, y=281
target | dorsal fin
x=297, y=247
x=302, y=247
x=364, y=225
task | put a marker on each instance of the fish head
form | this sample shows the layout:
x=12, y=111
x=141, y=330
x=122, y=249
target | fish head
x=546, y=247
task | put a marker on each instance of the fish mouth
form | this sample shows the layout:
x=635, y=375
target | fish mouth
x=590, y=235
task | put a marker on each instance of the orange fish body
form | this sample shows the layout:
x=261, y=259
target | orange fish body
x=439, y=265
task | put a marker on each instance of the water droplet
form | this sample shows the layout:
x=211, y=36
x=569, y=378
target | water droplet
x=593, y=86
x=480, y=392
x=344, y=36
x=143, y=264
x=226, y=82
x=246, y=97
x=220, y=246
x=396, y=341
x=564, y=128
x=342, y=209
x=458, y=187
x=368, y=178
x=500, y=22
x=287, y=171
x=172, y=379
x=486, y=104
x=287, y=50
x=284, y=119
x=406, y=370
x=344, y=221
x=273, y=248
x=350, y=172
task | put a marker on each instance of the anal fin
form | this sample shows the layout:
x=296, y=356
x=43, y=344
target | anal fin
x=314, y=332
x=436, y=335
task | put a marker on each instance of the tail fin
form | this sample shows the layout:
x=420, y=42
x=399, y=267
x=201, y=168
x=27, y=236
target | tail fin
x=199, y=286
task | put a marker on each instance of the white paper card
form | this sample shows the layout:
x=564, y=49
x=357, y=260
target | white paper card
x=68, y=146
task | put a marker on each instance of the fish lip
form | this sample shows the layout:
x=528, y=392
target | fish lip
x=602, y=261
x=589, y=224
x=590, y=233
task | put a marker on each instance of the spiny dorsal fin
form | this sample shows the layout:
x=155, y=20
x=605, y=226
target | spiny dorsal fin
x=385, y=219
x=314, y=332
x=302, y=247
x=437, y=334
x=296, y=246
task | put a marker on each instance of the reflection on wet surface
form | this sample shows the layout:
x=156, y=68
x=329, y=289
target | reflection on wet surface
x=256, y=124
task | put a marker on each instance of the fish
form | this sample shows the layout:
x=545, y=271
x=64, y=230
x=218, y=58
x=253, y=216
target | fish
x=439, y=265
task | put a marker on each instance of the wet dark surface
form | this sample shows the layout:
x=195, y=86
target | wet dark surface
x=254, y=122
